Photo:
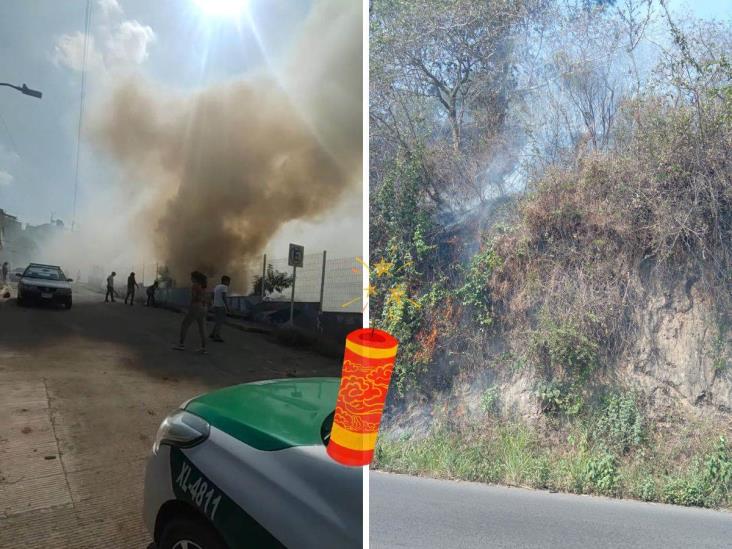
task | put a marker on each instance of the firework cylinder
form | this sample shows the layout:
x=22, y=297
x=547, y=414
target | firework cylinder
x=368, y=362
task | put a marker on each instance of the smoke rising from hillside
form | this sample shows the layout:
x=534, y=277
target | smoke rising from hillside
x=223, y=169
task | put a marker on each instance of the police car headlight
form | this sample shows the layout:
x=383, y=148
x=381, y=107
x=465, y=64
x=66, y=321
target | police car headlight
x=181, y=429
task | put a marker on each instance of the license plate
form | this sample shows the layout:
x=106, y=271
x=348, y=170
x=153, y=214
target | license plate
x=45, y=295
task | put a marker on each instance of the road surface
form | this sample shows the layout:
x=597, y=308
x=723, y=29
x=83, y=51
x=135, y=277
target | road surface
x=426, y=513
x=82, y=394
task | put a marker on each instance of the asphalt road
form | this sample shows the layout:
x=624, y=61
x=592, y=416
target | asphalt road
x=426, y=513
x=82, y=393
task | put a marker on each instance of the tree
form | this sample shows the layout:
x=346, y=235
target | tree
x=441, y=74
x=274, y=281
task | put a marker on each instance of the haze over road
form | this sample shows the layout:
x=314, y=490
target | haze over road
x=428, y=513
x=83, y=393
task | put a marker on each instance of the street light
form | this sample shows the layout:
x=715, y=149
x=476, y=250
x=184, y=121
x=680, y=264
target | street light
x=25, y=90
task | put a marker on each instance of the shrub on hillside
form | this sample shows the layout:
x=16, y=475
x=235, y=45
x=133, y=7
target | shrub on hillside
x=619, y=425
x=565, y=349
x=602, y=473
x=475, y=292
x=718, y=470
x=559, y=398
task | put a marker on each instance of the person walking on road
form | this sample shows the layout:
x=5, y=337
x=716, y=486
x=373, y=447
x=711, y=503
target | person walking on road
x=196, y=312
x=220, y=307
x=110, y=288
x=151, y=294
x=132, y=285
x=5, y=272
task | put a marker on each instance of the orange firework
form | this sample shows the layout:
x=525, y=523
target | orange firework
x=367, y=366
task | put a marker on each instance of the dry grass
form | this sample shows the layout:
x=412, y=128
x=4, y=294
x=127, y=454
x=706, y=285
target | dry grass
x=591, y=240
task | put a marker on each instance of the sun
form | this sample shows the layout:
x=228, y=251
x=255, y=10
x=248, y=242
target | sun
x=222, y=8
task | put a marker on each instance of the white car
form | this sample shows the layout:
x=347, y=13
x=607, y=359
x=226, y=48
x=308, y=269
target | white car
x=246, y=466
x=44, y=283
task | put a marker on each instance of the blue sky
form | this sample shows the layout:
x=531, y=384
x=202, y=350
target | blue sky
x=719, y=9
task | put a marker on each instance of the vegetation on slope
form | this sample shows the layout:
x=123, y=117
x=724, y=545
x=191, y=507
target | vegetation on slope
x=627, y=194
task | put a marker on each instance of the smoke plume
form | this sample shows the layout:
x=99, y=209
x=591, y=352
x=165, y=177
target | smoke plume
x=223, y=169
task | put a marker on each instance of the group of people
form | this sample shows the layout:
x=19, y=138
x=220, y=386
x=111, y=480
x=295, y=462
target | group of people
x=132, y=285
x=197, y=309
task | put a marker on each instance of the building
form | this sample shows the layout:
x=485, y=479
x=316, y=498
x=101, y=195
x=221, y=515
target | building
x=19, y=246
x=42, y=233
x=10, y=228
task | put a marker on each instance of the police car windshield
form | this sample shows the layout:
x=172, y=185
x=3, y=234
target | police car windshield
x=45, y=273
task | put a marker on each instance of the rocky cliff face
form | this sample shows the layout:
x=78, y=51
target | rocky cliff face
x=680, y=358
x=683, y=352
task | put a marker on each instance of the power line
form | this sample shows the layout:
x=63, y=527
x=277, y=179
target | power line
x=87, y=20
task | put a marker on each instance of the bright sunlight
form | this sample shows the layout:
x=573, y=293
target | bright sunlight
x=222, y=8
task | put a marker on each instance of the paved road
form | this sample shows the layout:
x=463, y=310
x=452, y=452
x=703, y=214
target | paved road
x=427, y=513
x=82, y=393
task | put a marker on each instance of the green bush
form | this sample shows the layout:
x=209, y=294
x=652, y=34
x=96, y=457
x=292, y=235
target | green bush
x=567, y=349
x=707, y=482
x=689, y=490
x=620, y=423
x=602, y=473
x=647, y=489
x=475, y=291
x=559, y=398
x=718, y=470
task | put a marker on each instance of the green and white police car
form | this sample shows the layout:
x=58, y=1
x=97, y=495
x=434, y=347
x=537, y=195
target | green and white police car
x=246, y=466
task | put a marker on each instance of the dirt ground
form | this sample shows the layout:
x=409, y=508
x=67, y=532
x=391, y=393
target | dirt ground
x=83, y=392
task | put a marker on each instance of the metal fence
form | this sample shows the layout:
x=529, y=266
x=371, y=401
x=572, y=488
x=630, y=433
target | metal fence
x=340, y=280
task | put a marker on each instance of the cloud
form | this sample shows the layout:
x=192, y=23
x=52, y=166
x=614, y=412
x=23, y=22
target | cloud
x=109, y=7
x=69, y=52
x=111, y=44
x=129, y=43
x=5, y=178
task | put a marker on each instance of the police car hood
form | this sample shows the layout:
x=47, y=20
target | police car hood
x=271, y=415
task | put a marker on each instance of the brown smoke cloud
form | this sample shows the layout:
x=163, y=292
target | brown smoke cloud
x=223, y=169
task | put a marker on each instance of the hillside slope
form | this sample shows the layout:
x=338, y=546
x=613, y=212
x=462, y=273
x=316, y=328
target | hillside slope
x=592, y=325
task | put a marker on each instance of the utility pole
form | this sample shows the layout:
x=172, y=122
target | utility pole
x=292, y=296
x=322, y=291
x=322, y=283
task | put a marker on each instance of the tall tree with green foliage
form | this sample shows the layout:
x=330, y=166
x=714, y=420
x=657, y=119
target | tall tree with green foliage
x=274, y=281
